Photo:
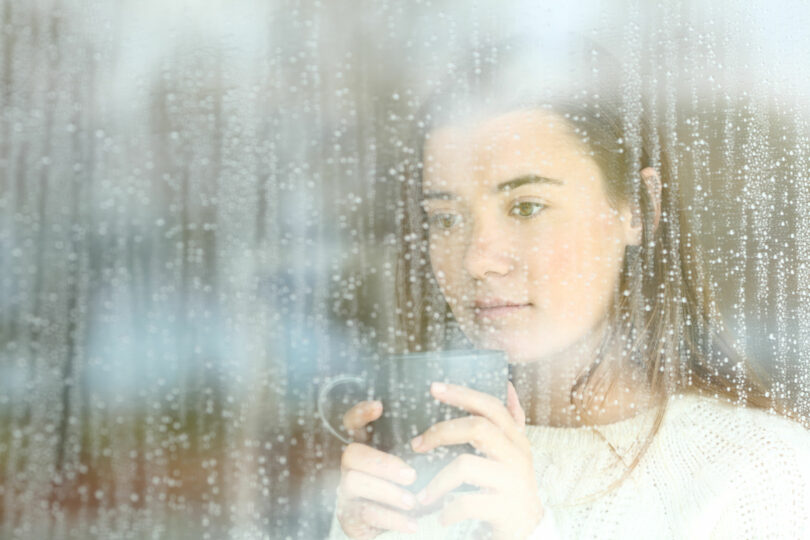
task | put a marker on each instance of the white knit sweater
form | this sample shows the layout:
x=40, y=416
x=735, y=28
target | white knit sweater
x=713, y=471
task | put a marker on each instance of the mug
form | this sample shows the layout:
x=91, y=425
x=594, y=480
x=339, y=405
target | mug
x=402, y=384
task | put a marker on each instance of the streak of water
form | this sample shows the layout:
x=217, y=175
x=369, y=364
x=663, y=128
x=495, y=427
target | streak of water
x=198, y=215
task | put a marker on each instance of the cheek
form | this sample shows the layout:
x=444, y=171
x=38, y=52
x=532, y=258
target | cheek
x=575, y=272
x=555, y=268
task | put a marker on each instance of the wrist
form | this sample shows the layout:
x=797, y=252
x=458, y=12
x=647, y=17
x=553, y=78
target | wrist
x=546, y=528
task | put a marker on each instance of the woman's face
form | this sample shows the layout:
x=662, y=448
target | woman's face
x=523, y=242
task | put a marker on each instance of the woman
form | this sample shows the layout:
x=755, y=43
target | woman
x=553, y=231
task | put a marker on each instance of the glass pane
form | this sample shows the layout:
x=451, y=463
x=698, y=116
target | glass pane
x=210, y=211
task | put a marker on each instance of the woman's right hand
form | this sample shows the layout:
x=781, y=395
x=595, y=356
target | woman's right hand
x=370, y=499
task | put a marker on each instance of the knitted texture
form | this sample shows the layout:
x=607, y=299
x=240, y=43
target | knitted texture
x=713, y=470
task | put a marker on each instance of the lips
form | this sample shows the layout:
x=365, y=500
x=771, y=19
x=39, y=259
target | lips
x=493, y=308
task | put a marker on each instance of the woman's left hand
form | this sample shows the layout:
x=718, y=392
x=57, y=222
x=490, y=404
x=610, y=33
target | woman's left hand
x=508, y=499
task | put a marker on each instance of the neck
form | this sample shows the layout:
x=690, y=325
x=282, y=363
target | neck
x=613, y=394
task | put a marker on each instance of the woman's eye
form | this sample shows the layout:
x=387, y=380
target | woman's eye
x=445, y=221
x=526, y=209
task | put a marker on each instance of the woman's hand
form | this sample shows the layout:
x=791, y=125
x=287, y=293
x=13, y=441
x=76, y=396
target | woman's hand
x=508, y=499
x=369, y=497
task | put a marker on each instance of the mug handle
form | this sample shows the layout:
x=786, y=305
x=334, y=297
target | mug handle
x=323, y=394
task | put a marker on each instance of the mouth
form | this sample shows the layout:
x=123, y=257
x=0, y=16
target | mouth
x=497, y=309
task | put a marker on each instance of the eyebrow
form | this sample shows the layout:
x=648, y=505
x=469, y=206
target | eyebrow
x=514, y=183
x=527, y=179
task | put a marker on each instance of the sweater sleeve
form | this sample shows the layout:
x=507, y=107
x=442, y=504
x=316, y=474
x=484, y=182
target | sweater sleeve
x=335, y=530
x=547, y=528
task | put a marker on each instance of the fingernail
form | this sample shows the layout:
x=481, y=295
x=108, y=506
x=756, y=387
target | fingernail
x=439, y=387
x=422, y=497
x=408, y=500
x=416, y=443
x=407, y=474
x=375, y=406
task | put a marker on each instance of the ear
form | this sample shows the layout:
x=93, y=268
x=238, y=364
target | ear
x=651, y=181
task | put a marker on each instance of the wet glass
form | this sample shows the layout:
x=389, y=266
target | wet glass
x=201, y=208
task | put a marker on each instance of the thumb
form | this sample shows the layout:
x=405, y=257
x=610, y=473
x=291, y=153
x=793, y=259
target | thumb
x=513, y=405
x=356, y=418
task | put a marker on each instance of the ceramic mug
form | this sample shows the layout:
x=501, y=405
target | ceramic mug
x=402, y=384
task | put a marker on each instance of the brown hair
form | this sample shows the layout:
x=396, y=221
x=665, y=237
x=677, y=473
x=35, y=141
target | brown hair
x=664, y=308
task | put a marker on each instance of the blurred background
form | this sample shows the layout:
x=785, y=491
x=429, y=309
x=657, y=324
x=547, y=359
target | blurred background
x=196, y=229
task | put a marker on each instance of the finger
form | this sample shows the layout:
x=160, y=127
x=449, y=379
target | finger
x=367, y=514
x=465, y=469
x=359, y=485
x=478, y=506
x=384, y=518
x=479, y=403
x=358, y=417
x=475, y=430
x=361, y=457
x=513, y=405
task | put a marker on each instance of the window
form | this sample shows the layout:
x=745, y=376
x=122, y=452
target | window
x=209, y=210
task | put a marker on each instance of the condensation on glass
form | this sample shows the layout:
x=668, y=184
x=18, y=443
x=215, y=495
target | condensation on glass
x=198, y=207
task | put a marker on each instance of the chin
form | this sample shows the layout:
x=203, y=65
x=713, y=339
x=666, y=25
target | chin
x=521, y=348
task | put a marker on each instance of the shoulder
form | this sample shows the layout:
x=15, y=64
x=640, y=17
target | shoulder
x=739, y=429
x=754, y=465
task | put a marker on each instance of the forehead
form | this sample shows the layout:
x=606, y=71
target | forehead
x=493, y=150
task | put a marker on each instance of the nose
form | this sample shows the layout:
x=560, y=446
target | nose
x=488, y=251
